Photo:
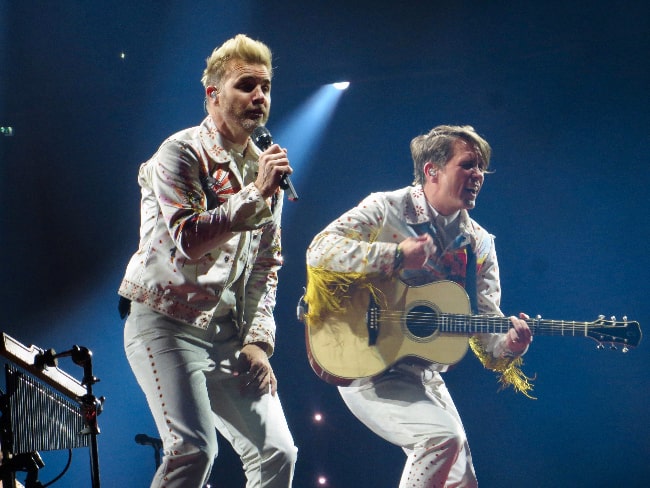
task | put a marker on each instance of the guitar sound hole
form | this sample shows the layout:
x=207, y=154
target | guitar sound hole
x=420, y=321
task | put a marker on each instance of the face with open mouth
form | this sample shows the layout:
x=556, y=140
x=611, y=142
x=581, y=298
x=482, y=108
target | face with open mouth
x=459, y=181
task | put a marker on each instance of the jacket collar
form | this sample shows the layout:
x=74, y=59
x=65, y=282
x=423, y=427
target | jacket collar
x=211, y=141
x=418, y=212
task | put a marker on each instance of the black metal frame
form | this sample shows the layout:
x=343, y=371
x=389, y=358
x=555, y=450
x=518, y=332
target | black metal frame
x=43, y=366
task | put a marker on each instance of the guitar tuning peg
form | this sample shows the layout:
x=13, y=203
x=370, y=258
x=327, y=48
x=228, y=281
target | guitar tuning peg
x=613, y=318
x=625, y=349
x=600, y=346
x=601, y=317
x=538, y=317
x=613, y=347
x=624, y=318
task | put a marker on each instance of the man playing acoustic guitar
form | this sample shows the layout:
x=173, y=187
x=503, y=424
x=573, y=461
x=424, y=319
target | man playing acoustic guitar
x=360, y=319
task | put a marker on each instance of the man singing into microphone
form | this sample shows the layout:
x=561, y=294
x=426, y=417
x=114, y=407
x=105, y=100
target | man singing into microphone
x=200, y=291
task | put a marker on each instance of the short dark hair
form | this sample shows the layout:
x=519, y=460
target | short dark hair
x=437, y=146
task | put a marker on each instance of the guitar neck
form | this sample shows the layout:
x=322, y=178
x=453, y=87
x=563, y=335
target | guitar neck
x=422, y=322
x=483, y=324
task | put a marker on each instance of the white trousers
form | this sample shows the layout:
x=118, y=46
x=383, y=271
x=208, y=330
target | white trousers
x=186, y=375
x=410, y=406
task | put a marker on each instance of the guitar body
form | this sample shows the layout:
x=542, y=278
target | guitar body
x=342, y=347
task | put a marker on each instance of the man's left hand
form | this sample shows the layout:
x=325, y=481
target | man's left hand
x=519, y=335
x=255, y=372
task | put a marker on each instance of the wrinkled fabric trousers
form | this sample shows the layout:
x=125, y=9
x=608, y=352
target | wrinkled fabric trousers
x=186, y=375
x=410, y=407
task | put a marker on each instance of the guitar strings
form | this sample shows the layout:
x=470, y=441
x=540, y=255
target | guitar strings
x=476, y=323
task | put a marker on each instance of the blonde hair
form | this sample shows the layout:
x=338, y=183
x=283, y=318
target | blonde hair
x=438, y=147
x=240, y=47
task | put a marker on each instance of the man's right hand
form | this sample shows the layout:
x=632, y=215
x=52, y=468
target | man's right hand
x=273, y=164
x=417, y=251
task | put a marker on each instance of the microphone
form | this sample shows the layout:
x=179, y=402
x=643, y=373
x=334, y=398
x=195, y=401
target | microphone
x=262, y=139
x=145, y=440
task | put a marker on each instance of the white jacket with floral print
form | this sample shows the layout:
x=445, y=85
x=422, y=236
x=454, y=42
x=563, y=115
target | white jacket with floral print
x=205, y=228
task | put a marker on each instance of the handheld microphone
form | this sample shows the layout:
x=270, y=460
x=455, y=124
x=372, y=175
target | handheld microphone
x=262, y=139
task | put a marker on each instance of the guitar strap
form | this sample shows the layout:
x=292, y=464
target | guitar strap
x=470, y=271
x=470, y=278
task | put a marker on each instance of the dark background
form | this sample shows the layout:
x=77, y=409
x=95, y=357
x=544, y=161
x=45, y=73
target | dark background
x=560, y=89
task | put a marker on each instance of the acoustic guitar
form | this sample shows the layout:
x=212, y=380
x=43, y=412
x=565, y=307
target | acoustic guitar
x=430, y=322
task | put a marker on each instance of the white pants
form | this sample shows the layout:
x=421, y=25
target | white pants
x=410, y=406
x=186, y=375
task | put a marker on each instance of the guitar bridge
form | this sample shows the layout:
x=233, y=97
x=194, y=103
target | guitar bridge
x=372, y=321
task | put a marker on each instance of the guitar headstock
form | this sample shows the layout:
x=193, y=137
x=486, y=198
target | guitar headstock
x=625, y=333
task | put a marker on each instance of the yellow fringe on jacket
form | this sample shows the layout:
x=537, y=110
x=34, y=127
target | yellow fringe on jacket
x=510, y=369
x=330, y=291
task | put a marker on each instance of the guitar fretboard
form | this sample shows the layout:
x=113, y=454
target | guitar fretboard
x=424, y=323
x=479, y=324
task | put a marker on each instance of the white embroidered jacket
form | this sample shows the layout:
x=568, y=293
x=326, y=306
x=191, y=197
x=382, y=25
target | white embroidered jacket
x=206, y=231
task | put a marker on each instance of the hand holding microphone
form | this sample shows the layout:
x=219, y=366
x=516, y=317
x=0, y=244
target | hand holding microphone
x=262, y=139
